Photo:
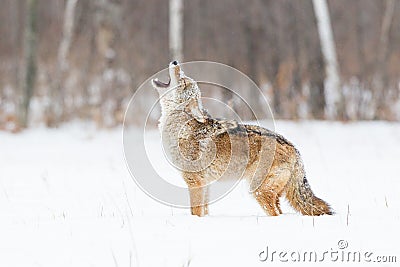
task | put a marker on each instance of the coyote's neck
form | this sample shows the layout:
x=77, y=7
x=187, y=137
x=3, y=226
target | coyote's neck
x=175, y=115
x=175, y=103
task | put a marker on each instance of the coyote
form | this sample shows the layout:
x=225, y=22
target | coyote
x=205, y=148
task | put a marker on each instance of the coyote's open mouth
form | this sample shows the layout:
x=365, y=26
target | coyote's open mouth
x=173, y=74
x=162, y=84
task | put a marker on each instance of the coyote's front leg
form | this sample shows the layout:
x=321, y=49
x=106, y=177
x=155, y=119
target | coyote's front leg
x=198, y=192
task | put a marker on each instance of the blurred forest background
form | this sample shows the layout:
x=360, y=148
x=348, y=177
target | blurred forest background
x=67, y=59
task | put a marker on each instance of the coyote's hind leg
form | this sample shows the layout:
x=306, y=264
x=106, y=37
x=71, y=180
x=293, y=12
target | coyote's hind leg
x=268, y=200
x=268, y=193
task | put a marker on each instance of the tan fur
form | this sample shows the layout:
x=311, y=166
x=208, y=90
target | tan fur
x=207, y=149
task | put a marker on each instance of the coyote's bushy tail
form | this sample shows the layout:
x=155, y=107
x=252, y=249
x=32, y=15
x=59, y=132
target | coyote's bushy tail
x=300, y=196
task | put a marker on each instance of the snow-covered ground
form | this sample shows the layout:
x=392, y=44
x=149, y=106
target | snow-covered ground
x=67, y=199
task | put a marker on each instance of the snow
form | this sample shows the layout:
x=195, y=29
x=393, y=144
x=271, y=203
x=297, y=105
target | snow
x=67, y=199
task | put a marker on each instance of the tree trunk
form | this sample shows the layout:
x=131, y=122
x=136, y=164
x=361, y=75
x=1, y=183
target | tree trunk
x=68, y=28
x=296, y=84
x=56, y=108
x=380, y=80
x=30, y=61
x=384, y=36
x=333, y=96
x=176, y=29
x=16, y=40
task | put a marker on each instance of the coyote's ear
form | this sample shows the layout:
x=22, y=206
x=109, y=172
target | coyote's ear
x=195, y=111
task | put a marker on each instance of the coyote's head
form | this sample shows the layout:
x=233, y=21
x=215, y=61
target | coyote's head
x=179, y=93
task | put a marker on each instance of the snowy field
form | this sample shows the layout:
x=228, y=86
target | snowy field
x=67, y=199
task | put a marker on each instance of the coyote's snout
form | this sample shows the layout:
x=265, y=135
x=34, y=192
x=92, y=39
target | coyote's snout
x=205, y=148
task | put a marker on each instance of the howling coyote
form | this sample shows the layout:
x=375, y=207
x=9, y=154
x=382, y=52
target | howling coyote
x=205, y=149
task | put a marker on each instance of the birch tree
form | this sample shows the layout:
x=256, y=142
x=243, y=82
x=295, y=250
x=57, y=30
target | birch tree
x=30, y=61
x=176, y=29
x=62, y=63
x=333, y=96
x=68, y=27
